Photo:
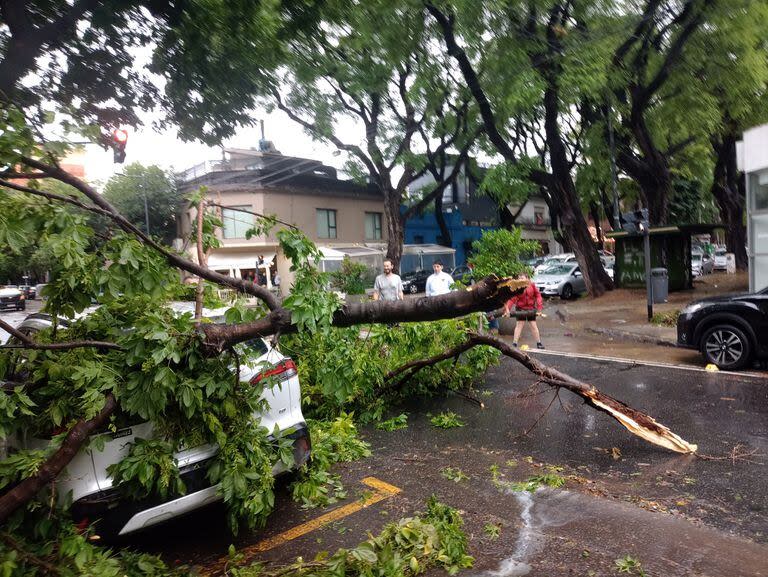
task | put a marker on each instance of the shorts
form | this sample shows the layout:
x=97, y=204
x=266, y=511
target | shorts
x=525, y=315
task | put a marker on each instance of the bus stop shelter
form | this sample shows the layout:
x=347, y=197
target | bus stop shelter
x=670, y=249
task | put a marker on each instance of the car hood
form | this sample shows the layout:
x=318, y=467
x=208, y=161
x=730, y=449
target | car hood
x=548, y=278
x=721, y=299
x=9, y=292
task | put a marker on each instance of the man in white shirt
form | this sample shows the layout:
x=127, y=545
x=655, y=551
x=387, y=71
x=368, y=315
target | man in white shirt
x=388, y=286
x=439, y=282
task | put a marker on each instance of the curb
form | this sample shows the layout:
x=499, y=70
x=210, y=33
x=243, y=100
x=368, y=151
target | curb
x=632, y=337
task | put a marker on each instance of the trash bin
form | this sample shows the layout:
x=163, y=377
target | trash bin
x=659, y=285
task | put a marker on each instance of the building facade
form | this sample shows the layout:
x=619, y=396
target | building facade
x=332, y=212
x=753, y=160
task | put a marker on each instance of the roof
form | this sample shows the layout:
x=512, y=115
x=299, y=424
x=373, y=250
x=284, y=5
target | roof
x=245, y=180
x=680, y=228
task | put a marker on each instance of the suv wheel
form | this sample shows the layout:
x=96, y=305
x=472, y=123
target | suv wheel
x=567, y=292
x=727, y=347
x=413, y=289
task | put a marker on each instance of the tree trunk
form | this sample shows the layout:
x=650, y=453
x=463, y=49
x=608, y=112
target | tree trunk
x=729, y=191
x=594, y=211
x=650, y=171
x=395, y=226
x=440, y=218
x=574, y=226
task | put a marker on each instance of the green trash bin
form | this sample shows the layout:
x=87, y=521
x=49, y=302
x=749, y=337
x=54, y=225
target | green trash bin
x=659, y=285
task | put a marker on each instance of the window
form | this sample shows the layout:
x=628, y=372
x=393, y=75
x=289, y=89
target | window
x=372, y=226
x=236, y=223
x=758, y=184
x=326, y=223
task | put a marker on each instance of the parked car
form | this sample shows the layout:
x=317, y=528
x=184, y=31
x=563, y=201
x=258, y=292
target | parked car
x=415, y=281
x=608, y=258
x=553, y=260
x=12, y=298
x=39, y=290
x=609, y=269
x=564, y=280
x=462, y=273
x=729, y=331
x=90, y=487
x=701, y=264
x=721, y=262
x=29, y=291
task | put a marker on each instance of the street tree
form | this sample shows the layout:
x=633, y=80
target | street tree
x=732, y=63
x=147, y=197
x=132, y=357
x=372, y=66
x=646, y=89
x=536, y=68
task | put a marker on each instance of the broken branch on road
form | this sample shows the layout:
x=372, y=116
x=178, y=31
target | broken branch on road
x=636, y=422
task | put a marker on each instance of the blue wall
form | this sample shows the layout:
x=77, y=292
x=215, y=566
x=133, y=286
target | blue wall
x=426, y=227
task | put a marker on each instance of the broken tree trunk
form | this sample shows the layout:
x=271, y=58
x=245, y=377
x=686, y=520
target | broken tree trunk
x=636, y=422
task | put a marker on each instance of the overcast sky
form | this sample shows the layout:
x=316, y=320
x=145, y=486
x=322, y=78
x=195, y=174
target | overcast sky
x=164, y=149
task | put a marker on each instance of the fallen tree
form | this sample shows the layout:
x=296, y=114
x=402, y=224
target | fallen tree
x=128, y=264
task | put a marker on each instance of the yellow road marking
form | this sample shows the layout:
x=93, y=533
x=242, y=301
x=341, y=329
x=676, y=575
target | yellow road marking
x=382, y=491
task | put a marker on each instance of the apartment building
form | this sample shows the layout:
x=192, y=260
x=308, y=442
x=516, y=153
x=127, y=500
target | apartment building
x=336, y=214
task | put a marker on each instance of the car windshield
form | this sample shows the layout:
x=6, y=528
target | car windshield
x=558, y=269
x=720, y=252
x=696, y=257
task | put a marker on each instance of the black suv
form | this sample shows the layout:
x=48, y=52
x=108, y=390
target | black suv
x=730, y=331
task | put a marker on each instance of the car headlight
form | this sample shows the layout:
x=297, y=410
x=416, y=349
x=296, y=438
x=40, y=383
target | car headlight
x=690, y=309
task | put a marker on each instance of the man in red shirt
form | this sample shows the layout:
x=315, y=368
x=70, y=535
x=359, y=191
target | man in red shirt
x=526, y=305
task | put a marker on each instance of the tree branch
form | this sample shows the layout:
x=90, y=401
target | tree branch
x=636, y=422
x=28, y=343
x=312, y=127
x=106, y=209
x=76, y=437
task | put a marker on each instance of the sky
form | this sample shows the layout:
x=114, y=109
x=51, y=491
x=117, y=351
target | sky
x=149, y=146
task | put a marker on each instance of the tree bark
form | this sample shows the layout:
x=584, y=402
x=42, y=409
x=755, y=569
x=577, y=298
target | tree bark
x=728, y=188
x=440, y=218
x=395, y=226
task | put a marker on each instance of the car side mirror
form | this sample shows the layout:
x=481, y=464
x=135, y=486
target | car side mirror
x=576, y=273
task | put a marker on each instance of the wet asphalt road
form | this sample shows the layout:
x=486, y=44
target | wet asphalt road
x=678, y=515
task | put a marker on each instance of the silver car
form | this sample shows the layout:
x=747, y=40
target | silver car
x=564, y=280
x=86, y=482
x=701, y=264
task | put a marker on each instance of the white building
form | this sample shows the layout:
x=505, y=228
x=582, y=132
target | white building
x=753, y=160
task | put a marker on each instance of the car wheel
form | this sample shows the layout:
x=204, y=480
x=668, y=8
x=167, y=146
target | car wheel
x=727, y=347
x=567, y=292
x=413, y=289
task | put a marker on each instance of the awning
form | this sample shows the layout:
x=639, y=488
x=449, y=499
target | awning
x=218, y=261
x=427, y=249
x=331, y=253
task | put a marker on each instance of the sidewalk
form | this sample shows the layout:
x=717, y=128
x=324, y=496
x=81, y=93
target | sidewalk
x=616, y=324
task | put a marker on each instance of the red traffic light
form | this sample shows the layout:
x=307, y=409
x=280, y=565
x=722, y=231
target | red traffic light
x=120, y=136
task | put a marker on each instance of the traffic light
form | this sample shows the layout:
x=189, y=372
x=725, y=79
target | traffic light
x=119, y=140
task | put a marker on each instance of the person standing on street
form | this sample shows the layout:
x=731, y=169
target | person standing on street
x=439, y=282
x=526, y=305
x=388, y=286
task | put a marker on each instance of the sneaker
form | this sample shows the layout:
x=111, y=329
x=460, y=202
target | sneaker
x=539, y=346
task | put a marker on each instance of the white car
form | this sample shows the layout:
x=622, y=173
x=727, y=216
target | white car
x=564, y=280
x=12, y=298
x=609, y=260
x=86, y=482
x=721, y=263
x=553, y=260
